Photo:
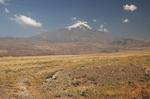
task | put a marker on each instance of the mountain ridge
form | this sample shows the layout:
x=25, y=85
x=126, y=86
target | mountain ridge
x=65, y=41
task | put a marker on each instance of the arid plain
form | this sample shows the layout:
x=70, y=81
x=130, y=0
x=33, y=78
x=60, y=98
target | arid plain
x=122, y=75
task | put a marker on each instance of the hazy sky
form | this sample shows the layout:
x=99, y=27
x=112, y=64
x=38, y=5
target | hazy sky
x=28, y=17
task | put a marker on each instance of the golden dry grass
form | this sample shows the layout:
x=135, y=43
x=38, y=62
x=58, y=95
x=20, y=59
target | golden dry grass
x=124, y=75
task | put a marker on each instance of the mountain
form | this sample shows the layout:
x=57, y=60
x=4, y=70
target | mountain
x=75, y=35
x=78, y=32
x=78, y=38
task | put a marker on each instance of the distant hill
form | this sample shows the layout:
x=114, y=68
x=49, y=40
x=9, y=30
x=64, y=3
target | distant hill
x=75, y=39
x=75, y=35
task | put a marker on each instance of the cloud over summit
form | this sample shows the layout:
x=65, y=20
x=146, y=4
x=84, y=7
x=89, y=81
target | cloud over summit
x=102, y=28
x=79, y=24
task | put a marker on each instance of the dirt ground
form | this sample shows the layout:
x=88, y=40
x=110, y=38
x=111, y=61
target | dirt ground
x=124, y=75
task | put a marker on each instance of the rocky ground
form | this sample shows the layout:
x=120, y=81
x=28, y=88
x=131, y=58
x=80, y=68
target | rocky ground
x=103, y=76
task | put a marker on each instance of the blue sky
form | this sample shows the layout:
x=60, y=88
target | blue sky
x=28, y=17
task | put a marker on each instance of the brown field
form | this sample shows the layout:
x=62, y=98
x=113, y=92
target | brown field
x=124, y=75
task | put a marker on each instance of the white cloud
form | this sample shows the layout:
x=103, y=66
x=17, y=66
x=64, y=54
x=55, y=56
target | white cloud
x=3, y=2
x=125, y=21
x=74, y=18
x=102, y=28
x=105, y=30
x=26, y=21
x=79, y=24
x=130, y=7
x=94, y=20
x=6, y=10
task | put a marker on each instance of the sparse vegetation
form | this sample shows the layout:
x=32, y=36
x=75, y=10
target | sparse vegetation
x=123, y=75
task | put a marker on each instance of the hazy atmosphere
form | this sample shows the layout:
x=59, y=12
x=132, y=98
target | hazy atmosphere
x=29, y=17
x=74, y=49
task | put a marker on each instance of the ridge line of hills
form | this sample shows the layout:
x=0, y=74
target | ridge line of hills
x=79, y=40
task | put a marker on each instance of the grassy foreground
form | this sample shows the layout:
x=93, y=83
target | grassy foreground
x=123, y=75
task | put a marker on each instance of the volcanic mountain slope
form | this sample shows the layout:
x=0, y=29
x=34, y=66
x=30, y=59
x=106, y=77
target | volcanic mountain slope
x=78, y=32
x=82, y=32
x=78, y=38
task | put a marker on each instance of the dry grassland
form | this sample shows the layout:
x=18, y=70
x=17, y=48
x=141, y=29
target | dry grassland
x=124, y=75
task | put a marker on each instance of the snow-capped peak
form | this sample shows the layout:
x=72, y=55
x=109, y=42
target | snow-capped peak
x=79, y=24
